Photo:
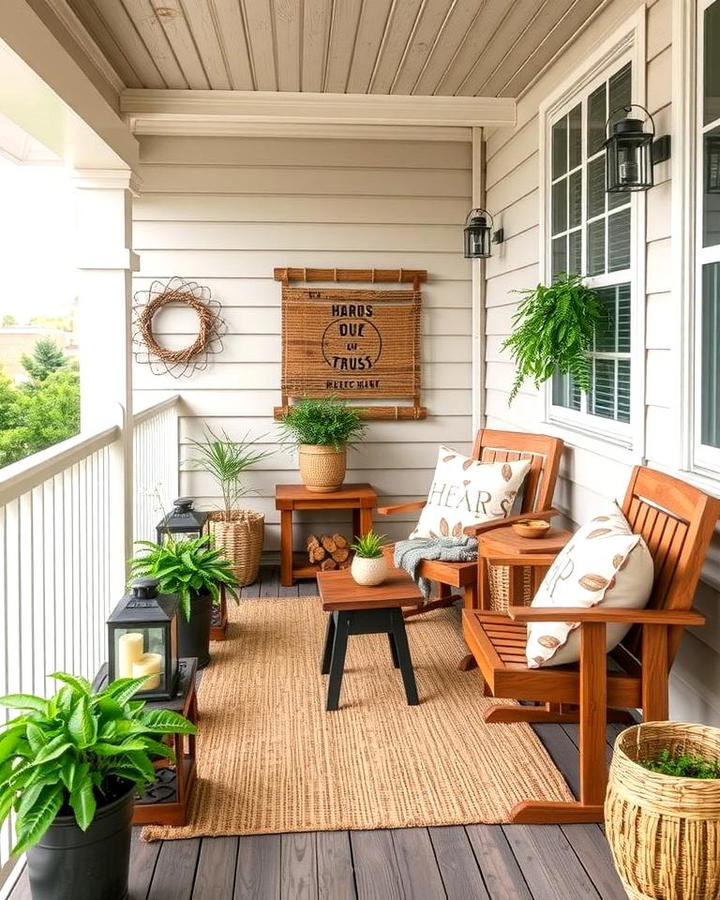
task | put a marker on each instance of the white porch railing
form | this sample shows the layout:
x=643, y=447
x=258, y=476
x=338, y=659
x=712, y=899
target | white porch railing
x=155, y=465
x=59, y=547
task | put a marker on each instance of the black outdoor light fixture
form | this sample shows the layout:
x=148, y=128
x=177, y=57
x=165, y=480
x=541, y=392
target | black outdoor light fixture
x=143, y=640
x=478, y=234
x=712, y=163
x=631, y=152
x=182, y=522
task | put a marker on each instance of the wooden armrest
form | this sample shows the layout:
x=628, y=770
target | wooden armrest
x=475, y=530
x=400, y=507
x=604, y=614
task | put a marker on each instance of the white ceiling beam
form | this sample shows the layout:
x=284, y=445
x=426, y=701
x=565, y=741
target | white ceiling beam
x=177, y=111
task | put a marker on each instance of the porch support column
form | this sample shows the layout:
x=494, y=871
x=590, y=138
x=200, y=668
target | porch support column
x=106, y=263
x=478, y=289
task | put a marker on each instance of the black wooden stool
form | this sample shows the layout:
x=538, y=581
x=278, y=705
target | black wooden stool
x=355, y=609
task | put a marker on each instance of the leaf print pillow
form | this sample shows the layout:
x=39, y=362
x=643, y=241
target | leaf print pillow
x=467, y=492
x=603, y=564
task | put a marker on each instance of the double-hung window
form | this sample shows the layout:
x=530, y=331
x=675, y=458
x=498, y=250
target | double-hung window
x=589, y=233
x=707, y=274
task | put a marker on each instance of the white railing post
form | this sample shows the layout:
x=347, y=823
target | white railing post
x=106, y=263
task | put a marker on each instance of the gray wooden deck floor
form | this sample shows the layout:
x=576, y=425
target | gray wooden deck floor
x=488, y=862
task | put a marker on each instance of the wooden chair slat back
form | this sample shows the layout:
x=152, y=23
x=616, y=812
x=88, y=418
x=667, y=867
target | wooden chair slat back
x=677, y=522
x=544, y=452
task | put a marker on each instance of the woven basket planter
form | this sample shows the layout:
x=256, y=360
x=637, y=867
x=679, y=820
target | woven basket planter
x=322, y=468
x=499, y=579
x=664, y=831
x=241, y=540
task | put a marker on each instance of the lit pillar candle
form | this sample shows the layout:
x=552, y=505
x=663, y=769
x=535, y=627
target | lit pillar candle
x=130, y=649
x=148, y=664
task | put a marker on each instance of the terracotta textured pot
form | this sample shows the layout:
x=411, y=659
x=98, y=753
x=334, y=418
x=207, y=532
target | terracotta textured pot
x=369, y=571
x=322, y=468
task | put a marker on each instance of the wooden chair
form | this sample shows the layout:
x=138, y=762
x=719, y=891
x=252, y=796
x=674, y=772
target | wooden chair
x=537, y=493
x=677, y=522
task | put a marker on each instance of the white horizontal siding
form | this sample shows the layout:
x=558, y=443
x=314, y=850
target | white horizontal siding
x=587, y=478
x=226, y=211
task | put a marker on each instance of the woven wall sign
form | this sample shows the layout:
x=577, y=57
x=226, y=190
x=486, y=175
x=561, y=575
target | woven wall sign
x=185, y=360
x=355, y=343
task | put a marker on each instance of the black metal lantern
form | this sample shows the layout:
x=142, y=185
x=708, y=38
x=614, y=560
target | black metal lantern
x=629, y=154
x=183, y=522
x=712, y=163
x=143, y=639
x=477, y=234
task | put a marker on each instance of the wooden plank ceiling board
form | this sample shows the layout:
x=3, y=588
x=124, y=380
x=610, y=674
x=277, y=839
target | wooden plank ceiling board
x=486, y=48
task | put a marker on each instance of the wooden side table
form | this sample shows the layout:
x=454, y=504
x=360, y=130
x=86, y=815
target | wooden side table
x=503, y=547
x=360, y=498
x=355, y=609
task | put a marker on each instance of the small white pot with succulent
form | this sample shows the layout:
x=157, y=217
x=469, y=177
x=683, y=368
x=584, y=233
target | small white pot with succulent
x=369, y=566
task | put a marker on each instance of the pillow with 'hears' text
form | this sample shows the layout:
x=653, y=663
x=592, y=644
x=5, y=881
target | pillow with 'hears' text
x=467, y=492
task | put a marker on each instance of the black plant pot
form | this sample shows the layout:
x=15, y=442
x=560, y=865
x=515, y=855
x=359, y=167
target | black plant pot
x=70, y=864
x=194, y=636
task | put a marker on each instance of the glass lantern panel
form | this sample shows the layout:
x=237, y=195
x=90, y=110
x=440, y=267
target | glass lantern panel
x=141, y=650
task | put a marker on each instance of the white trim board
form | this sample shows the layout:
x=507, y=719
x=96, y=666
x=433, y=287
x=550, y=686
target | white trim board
x=175, y=111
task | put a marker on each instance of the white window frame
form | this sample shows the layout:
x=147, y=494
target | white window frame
x=705, y=460
x=617, y=439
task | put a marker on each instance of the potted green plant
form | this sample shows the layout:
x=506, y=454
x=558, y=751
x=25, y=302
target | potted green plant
x=662, y=810
x=69, y=769
x=322, y=428
x=237, y=531
x=194, y=571
x=369, y=565
x=553, y=330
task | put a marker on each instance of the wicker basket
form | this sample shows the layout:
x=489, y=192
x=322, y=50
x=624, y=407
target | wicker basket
x=322, y=468
x=499, y=578
x=664, y=832
x=241, y=539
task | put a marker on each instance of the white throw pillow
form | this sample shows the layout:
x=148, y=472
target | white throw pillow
x=603, y=564
x=467, y=492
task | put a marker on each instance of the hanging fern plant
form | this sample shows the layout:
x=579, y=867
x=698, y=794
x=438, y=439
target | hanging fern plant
x=553, y=331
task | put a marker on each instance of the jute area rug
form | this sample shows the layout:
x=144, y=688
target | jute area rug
x=270, y=759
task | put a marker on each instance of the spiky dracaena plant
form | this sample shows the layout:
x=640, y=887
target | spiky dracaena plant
x=553, y=330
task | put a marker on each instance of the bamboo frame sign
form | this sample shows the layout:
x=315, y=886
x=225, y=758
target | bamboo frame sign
x=353, y=343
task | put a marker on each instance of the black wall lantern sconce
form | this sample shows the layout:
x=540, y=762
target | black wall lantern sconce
x=712, y=163
x=631, y=153
x=478, y=235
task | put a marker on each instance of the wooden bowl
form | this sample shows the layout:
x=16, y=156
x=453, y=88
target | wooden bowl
x=531, y=528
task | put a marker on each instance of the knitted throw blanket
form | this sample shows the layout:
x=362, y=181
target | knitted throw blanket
x=409, y=555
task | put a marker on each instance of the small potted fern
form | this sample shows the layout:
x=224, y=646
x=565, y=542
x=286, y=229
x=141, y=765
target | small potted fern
x=323, y=428
x=369, y=566
x=553, y=330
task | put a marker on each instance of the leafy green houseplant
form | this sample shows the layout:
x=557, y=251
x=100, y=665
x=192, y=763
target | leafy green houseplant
x=194, y=570
x=322, y=428
x=70, y=765
x=239, y=532
x=369, y=565
x=553, y=330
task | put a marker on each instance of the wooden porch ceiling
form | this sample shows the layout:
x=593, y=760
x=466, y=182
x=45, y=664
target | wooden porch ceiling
x=486, y=48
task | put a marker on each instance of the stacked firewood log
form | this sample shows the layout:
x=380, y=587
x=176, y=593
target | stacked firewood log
x=329, y=551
